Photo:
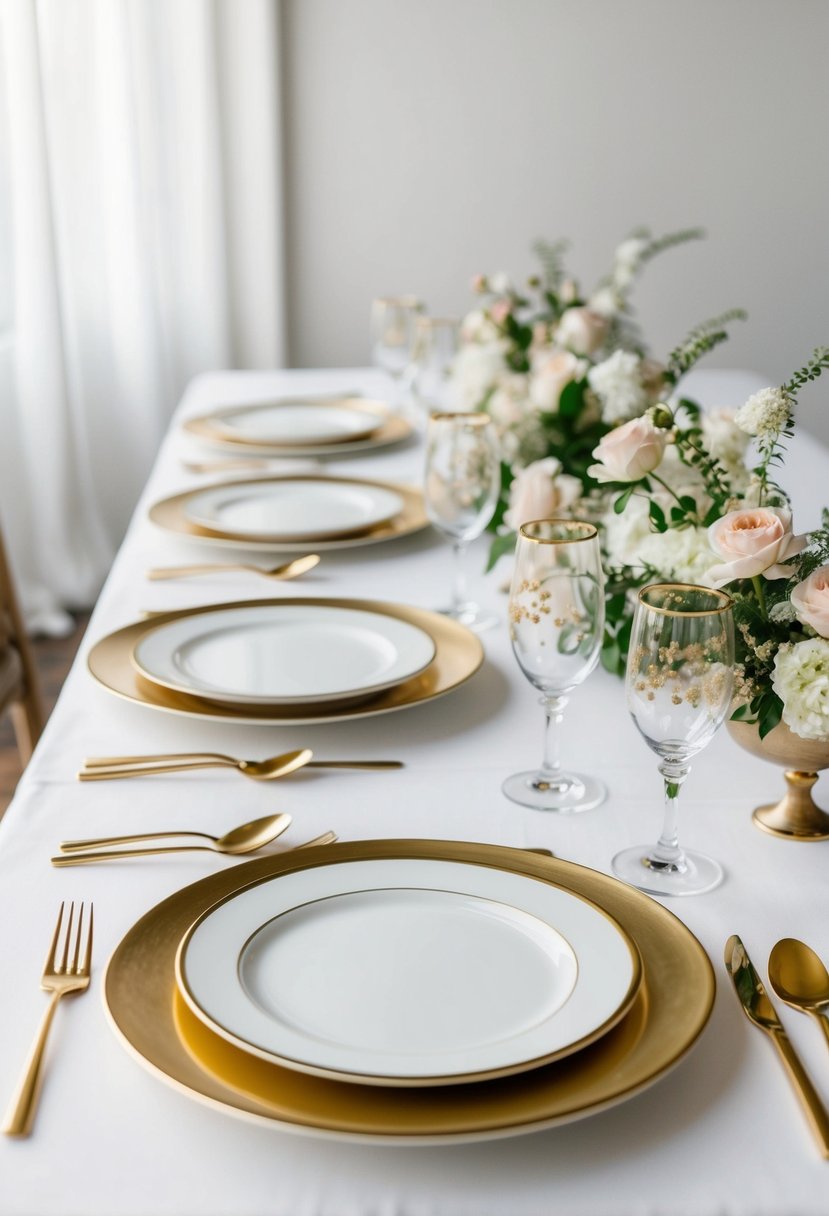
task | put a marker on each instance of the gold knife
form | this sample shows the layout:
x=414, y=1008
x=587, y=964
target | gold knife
x=759, y=1010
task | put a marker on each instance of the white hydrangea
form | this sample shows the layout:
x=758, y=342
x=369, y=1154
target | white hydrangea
x=478, y=366
x=801, y=680
x=681, y=554
x=618, y=384
x=764, y=413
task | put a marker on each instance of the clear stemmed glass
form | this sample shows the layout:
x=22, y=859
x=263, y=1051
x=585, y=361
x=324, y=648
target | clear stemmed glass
x=435, y=348
x=556, y=615
x=461, y=489
x=679, y=683
x=392, y=337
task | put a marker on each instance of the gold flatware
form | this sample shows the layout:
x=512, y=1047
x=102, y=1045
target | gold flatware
x=288, y=570
x=64, y=972
x=799, y=978
x=246, y=838
x=760, y=1011
x=103, y=768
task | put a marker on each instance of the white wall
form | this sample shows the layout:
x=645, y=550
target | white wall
x=429, y=139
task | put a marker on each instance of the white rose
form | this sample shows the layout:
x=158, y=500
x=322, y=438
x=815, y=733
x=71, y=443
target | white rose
x=605, y=302
x=801, y=680
x=541, y=491
x=581, y=330
x=551, y=375
x=629, y=452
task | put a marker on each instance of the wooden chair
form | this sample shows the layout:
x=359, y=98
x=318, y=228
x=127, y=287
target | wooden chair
x=19, y=690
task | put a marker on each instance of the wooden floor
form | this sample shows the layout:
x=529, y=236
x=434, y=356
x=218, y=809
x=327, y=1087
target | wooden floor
x=54, y=658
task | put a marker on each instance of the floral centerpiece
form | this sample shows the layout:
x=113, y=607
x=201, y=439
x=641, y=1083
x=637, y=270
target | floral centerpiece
x=558, y=371
x=687, y=507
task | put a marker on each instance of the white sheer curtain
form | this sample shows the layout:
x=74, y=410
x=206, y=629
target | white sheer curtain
x=140, y=216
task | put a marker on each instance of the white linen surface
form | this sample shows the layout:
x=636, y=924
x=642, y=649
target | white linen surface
x=722, y=1134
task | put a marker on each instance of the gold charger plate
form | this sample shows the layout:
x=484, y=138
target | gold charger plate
x=169, y=514
x=458, y=655
x=668, y=1015
x=392, y=428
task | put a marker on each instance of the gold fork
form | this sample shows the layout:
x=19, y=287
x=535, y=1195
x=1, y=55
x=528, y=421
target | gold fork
x=62, y=973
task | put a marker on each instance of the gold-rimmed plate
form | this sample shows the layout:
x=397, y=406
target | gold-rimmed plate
x=364, y=425
x=458, y=655
x=670, y=1011
x=171, y=514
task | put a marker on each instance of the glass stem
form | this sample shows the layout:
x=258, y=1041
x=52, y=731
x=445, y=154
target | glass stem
x=666, y=854
x=459, y=587
x=554, y=716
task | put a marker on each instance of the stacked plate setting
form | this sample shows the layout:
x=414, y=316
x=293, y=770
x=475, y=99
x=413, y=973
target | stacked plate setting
x=410, y=991
x=292, y=512
x=291, y=660
x=322, y=426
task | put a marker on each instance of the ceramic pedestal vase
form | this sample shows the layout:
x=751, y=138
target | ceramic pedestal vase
x=795, y=816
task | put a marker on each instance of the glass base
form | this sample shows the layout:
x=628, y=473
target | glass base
x=694, y=875
x=569, y=794
x=472, y=616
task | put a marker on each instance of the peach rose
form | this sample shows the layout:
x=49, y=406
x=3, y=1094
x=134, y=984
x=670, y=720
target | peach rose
x=629, y=452
x=540, y=491
x=752, y=541
x=581, y=330
x=810, y=600
x=551, y=376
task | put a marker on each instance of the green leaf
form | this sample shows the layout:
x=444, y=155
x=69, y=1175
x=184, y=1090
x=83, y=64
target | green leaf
x=623, y=499
x=499, y=548
x=743, y=714
x=571, y=401
x=611, y=658
x=657, y=516
x=771, y=714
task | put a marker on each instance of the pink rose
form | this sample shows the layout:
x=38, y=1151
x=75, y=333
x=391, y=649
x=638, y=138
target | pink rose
x=500, y=310
x=810, y=600
x=752, y=541
x=552, y=375
x=629, y=452
x=540, y=491
x=581, y=330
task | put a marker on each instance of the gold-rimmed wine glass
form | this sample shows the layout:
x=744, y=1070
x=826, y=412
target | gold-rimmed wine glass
x=679, y=684
x=435, y=348
x=392, y=336
x=556, y=622
x=461, y=489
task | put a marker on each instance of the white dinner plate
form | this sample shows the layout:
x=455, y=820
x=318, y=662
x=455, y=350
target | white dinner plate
x=407, y=971
x=288, y=422
x=293, y=509
x=283, y=654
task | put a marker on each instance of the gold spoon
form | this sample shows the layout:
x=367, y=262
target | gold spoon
x=292, y=569
x=102, y=768
x=799, y=978
x=246, y=838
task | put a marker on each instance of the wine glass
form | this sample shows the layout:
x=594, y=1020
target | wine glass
x=680, y=675
x=392, y=337
x=556, y=622
x=435, y=348
x=461, y=488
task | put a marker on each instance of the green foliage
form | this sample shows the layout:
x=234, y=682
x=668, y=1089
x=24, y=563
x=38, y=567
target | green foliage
x=818, y=364
x=500, y=547
x=551, y=256
x=700, y=340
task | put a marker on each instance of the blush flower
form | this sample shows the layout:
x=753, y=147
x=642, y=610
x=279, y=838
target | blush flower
x=810, y=600
x=540, y=491
x=752, y=541
x=629, y=452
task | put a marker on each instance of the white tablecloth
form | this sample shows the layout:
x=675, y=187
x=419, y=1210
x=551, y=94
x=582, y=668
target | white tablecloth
x=721, y=1134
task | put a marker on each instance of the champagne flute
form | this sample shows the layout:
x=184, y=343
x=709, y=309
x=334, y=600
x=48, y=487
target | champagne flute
x=679, y=683
x=392, y=337
x=461, y=490
x=435, y=348
x=556, y=621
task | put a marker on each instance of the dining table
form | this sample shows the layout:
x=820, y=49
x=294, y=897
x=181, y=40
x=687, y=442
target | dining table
x=721, y=1134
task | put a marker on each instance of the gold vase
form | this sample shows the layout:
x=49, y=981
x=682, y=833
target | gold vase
x=796, y=816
